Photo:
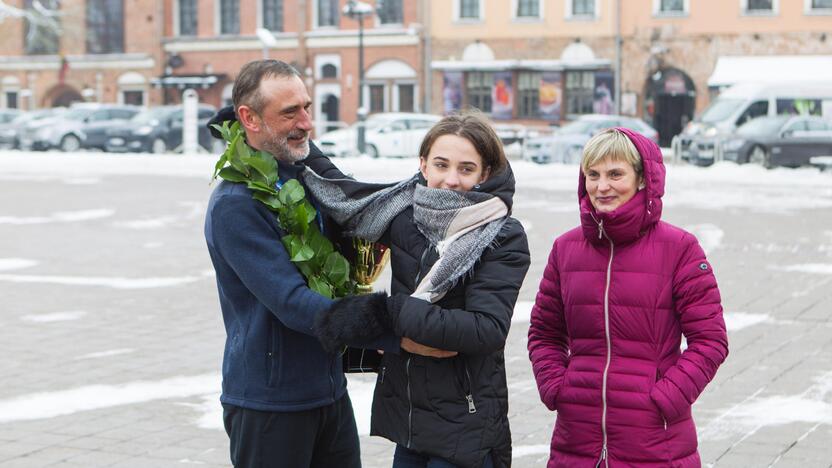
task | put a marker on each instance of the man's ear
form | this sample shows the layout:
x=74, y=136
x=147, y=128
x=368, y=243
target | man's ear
x=249, y=119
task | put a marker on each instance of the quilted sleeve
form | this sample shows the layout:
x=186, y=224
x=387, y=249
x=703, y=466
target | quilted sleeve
x=699, y=309
x=548, y=342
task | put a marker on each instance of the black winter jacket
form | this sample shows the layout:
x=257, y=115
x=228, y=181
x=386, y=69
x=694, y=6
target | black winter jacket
x=456, y=408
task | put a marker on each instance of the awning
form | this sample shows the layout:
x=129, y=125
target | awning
x=498, y=65
x=771, y=69
x=187, y=81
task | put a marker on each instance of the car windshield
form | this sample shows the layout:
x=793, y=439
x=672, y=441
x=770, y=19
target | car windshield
x=578, y=127
x=77, y=114
x=720, y=110
x=764, y=126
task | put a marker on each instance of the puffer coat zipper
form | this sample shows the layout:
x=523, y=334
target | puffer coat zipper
x=604, y=455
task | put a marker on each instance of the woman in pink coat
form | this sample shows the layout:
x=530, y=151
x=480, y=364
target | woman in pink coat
x=617, y=295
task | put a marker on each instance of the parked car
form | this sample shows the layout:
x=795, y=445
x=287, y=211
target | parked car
x=566, y=144
x=68, y=131
x=158, y=130
x=746, y=101
x=10, y=132
x=779, y=141
x=396, y=134
x=7, y=115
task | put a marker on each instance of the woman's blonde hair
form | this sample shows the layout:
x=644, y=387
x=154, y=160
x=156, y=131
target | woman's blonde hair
x=613, y=145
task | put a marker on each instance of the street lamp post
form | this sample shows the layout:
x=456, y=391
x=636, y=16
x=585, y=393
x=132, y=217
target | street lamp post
x=358, y=10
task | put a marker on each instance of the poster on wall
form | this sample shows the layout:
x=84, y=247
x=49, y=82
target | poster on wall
x=502, y=97
x=451, y=92
x=551, y=96
x=603, y=102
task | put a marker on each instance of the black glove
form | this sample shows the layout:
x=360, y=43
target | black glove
x=225, y=114
x=353, y=320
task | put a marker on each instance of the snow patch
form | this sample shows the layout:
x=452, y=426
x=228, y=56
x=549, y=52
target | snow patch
x=116, y=283
x=108, y=353
x=755, y=412
x=91, y=397
x=813, y=268
x=522, y=312
x=16, y=263
x=709, y=236
x=149, y=223
x=59, y=217
x=360, y=388
x=735, y=321
x=54, y=317
x=520, y=451
x=211, y=409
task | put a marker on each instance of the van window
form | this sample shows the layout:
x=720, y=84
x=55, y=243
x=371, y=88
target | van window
x=799, y=106
x=721, y=109
x=756, y=109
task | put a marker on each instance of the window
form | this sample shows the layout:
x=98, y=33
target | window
x=406, y=97
x=329, y=71
x=229, y=16
x=41, y=38
x=105, y=26
x=528, y=94
x=758, y=6
x=273, y=15
x=671, y=7
x=11, y=99
x=580, y=92
x=528, y=9
x=390, y=11
x=376, y=98
x=327, y=13
x=816, y=126
x=799, y=106
x=818, y=6
x=478, y=89
x=756, y=109
x=469, y=9
x=187, y=17
x=135, y=98
x=583, y=7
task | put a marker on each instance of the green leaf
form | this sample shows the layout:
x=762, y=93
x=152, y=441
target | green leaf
x=232, y=175
x=262, y=167
x=303, y=254
x=234, y=156
x=310, y=211
x=336, y=268
x=320, y=245
x=320, y=286
x=287, y=241
x=299, y=217
x=235, y=127
x=269, y=200
x=258, y=186
x=291, y=192
x=223, y=129
x=306, y=268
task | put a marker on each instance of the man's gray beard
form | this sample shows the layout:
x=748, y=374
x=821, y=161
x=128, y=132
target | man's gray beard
x=279, y=148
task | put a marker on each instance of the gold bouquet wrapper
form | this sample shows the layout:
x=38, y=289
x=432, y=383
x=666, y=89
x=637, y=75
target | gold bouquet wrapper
x=370, y=260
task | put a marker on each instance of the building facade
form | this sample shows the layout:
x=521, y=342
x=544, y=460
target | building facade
x=148, y=52
x=534, y=62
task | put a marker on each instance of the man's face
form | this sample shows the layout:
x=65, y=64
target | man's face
x=285, y=119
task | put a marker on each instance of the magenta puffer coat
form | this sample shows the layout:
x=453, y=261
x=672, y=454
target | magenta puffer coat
x=617, y=295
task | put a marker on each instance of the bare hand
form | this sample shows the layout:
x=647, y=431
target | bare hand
x=415, y=348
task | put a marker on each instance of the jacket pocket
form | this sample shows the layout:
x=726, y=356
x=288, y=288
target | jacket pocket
x=273, y=369
x=445, y=383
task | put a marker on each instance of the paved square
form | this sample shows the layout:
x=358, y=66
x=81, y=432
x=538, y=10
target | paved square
x=112, y=334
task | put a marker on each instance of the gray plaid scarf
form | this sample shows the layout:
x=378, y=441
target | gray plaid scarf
x=459, y=225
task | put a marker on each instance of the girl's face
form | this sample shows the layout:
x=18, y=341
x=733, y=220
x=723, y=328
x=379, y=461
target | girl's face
x=453, y=163
x=611, y=184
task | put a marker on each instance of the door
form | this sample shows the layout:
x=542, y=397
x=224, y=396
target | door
x=330, y=110
x=673, y=112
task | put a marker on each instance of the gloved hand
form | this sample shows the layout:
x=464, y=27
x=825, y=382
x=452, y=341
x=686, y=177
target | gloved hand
x=353, y=320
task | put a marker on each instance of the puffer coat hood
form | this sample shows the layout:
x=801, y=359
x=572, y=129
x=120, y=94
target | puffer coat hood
x=617, y=295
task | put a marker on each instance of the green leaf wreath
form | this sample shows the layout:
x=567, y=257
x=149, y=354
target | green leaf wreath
x=325, y=269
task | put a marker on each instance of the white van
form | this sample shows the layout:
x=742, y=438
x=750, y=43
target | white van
x=743, y=102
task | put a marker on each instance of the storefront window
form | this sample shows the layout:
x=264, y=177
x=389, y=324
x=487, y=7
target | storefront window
x=580, y=90
x=478, y=90
x=528, y=89
x=376, y=98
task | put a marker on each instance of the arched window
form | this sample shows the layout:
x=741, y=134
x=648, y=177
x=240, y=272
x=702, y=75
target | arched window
x=329, y=71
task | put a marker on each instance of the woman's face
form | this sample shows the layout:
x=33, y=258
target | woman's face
x=453, y=163
x=611, y=184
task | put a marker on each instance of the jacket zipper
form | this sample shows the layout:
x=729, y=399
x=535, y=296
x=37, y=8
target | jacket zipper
x=604, y=455
x=409, y=405
x=470, y=394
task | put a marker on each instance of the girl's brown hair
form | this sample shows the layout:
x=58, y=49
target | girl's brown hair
x=474, y=127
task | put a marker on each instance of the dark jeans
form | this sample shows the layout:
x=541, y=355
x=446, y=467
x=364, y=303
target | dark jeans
x=321, y=437
x=406, y=458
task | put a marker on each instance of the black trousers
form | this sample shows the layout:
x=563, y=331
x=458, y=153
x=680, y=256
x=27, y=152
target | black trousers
x=317, y=438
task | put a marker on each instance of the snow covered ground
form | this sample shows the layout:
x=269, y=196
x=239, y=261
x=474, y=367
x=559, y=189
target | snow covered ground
x=110, y=320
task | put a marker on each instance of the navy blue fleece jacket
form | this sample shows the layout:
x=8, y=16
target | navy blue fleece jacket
x=272, y=361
